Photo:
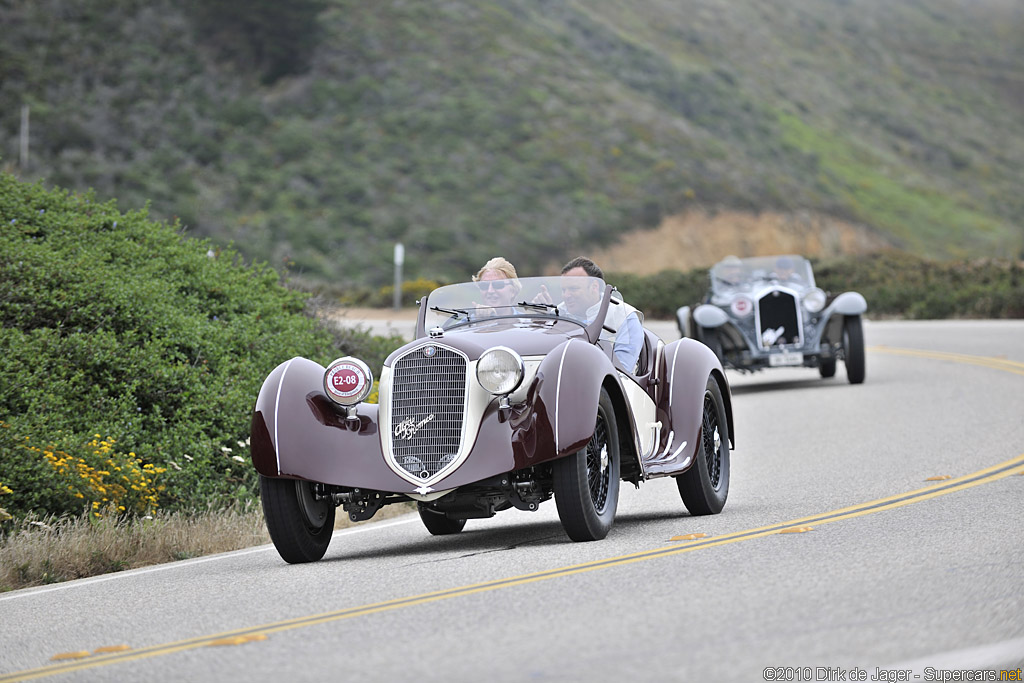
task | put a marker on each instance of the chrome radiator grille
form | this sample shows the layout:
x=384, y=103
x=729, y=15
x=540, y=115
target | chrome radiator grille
x=428, y=400
x=778, y=319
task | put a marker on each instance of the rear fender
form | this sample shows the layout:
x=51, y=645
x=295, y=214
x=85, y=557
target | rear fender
x=689, y=366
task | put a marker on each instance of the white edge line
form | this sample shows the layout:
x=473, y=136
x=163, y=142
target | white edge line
x=277, y=412
x=991, y=656
x=28, y=592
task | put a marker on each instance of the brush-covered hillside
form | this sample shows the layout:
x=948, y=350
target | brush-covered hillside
x=317, y=133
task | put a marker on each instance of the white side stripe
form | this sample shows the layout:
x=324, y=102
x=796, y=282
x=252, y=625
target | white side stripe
x=277, y=412
x=558, y=391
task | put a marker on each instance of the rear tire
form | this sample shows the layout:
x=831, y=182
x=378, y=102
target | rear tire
x=827, y=368
x=586, y=483
x=704, y=487
x=853, y=344
x=437, y=523
x=300, y=525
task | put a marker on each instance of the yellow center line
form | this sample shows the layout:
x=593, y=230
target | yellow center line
x=1003, y=364
x=983, y=476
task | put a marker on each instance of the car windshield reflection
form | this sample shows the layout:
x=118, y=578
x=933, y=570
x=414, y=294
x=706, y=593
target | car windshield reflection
x=737, y=275
x=553, y=297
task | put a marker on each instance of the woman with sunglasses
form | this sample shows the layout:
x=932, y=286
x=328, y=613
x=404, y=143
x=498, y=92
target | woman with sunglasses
x=498, y=285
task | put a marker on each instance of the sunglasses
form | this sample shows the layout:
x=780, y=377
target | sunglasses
x=496, y=285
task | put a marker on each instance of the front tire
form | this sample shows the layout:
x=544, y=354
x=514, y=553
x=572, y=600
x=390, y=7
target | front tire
x=712, y=339
x=853, y=345
x=586, y=483
x=437, y=523
x=300, y=525
x=705, y=486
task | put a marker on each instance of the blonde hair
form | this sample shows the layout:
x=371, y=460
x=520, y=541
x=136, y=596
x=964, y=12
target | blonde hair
x=500, y=264
x=503, y=266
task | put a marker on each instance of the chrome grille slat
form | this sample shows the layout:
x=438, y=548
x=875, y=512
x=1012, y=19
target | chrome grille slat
x=428, y=395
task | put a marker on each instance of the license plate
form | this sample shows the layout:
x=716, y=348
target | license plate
x=787, y=358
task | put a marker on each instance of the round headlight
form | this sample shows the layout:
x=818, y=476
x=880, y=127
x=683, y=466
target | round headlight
x=741, y=306
x=814, y=300
x=500, y=370
x=348, y=381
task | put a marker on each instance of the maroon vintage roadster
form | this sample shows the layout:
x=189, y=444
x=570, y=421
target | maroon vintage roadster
x=496, y=404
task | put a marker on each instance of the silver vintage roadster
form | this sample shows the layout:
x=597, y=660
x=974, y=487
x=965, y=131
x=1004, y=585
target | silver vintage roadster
x=766, y=312
x=493, y=406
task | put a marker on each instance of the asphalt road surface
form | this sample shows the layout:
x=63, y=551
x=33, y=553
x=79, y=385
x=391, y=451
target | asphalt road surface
x=872, y=532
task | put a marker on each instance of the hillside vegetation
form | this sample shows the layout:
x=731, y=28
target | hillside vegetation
x=316, y=133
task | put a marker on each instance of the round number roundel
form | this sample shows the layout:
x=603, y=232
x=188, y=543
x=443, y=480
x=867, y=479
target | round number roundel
x=742, y=306
x=346, y=381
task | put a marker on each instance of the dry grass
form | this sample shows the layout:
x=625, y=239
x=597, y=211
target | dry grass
x=42, y=550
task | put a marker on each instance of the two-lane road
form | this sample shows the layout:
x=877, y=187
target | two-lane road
x=875, y=528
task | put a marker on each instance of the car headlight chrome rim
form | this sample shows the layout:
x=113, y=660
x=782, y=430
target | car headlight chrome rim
x=500, y=370
x=814, y=300
x=348, y=381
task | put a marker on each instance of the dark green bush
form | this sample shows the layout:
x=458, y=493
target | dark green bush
x=899, y=284
x=659, y=295
x=113, y=324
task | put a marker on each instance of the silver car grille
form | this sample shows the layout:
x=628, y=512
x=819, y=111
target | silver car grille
x=428, y=401
x=778, y=319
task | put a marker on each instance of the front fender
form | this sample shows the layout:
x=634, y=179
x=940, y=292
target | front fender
x=707, y=315
x=683, y=321
x=569, y=387
x=298, y=432
x=847, y=303
x=689, y=365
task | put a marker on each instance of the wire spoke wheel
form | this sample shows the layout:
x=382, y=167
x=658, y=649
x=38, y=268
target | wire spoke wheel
x=597, y=466
x=586, y=483
x=712, y=442
x=704, y=487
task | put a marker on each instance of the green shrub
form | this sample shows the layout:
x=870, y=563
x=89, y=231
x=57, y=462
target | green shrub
x=659, y=295
x=113, y=324
x=63, y=479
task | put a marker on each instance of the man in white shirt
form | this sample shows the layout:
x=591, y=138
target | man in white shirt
x=582, y=302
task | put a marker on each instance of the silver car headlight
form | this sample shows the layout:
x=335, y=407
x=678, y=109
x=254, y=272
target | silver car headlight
x=500, y=370
x=814, y=300
x=347, y=381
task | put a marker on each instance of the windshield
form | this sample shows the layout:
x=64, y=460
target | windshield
x=735, y=274
x=568, y=297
